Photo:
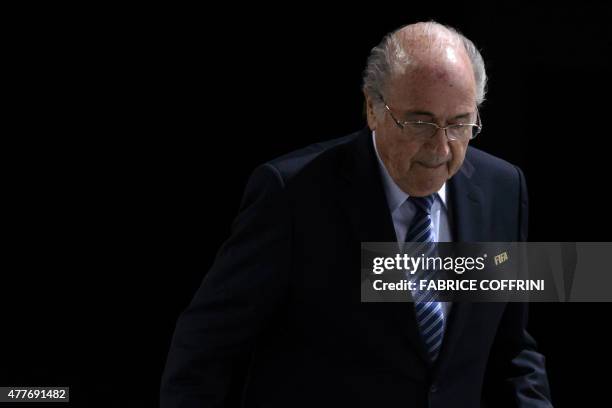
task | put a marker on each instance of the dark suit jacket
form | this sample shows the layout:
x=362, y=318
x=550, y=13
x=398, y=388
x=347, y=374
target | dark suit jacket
x=278, y=319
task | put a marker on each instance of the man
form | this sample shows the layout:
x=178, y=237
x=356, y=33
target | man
x=278, y=320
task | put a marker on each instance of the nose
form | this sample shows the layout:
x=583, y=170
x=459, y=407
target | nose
x=438, y=143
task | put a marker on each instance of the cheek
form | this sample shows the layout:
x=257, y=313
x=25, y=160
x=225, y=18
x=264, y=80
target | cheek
x=458, y=150
x=401, y=155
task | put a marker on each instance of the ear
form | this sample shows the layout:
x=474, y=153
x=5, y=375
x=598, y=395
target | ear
x=370, y=114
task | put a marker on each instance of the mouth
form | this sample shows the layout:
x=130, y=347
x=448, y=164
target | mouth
x=431, y=166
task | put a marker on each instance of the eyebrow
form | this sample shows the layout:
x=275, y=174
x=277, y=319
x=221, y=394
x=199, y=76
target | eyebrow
x=425, y=113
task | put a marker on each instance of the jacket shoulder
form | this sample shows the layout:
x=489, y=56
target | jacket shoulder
x=289, y=165
x=489, y=168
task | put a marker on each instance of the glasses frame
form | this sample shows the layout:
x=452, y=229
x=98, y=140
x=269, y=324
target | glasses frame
x=402, y=125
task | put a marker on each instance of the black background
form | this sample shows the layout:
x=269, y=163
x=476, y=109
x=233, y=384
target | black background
x=129, y=136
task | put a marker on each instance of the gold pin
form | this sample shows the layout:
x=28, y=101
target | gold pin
x=501, y=258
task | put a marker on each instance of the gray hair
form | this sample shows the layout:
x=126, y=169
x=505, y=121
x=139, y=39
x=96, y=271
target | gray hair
x=391, y=56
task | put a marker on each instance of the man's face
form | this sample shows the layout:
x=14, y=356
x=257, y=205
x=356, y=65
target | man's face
x=442, y=92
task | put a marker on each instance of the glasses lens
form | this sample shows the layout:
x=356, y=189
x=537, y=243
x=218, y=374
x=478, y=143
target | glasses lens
x=422, y=130
x=460, y=132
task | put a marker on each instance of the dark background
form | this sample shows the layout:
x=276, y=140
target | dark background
x=129, y=136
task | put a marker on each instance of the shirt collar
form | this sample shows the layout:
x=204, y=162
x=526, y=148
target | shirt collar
x=395, y=195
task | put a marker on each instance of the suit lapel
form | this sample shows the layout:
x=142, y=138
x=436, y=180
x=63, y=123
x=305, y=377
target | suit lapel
x=370, y=219
x=467, y=219
x=366, y=203
x=466, y=200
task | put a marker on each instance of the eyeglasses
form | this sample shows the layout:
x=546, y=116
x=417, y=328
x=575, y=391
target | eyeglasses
x=426, y=130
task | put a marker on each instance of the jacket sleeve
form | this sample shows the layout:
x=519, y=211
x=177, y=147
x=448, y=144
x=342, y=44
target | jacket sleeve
x=213, y=339
x=516, y=374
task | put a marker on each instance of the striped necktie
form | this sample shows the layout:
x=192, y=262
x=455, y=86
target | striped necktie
x=429, y=313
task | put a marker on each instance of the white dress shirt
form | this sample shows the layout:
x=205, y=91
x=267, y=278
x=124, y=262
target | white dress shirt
x=402, y=212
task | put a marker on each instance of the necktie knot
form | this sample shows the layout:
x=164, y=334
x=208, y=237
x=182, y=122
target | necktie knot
x=423, y=203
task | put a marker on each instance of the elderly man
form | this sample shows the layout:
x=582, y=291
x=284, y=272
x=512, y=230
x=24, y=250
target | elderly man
x=278, y=320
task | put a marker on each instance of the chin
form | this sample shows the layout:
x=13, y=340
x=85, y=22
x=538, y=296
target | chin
x=422, y=191
x=431, y=183
x=426, y=187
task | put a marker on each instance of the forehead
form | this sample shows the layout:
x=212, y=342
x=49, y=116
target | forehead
x=440, y=85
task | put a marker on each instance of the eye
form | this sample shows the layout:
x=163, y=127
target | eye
x=460, y=130
x=421, y=129
x=419, y=125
